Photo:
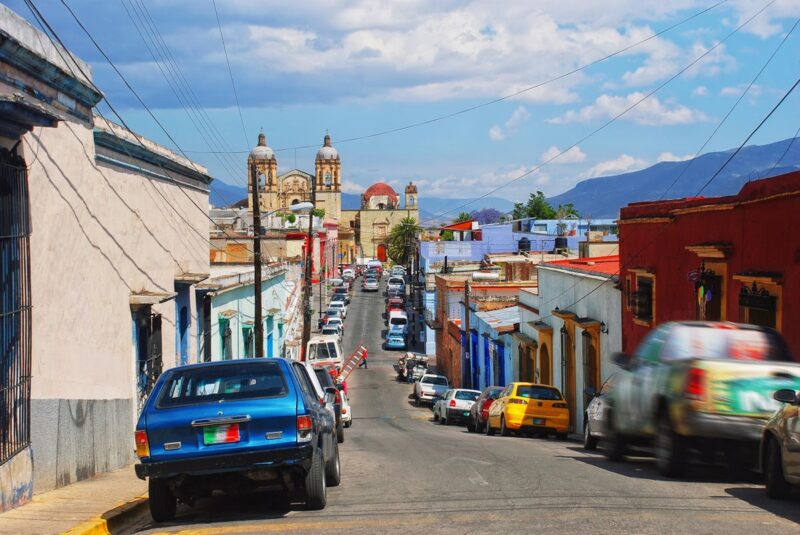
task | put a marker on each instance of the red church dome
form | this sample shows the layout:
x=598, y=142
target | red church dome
x=381, y=188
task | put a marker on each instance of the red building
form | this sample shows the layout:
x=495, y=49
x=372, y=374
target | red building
x=734, y=258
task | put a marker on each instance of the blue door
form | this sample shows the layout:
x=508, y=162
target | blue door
x=501, y=363
x=476, y=369
x=487, y=362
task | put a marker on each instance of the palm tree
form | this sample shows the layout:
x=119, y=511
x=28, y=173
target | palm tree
x=401, y=237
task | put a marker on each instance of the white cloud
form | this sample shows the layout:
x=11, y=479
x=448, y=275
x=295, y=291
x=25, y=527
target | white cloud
x=517, y=119
x=735, y=91
x=624, y=163
x=573, y=155
x=669, y=157
x=351, y=187
x=650, y=112
x=700, y=91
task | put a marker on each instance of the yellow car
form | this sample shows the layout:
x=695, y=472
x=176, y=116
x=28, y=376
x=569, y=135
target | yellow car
x=529, y=407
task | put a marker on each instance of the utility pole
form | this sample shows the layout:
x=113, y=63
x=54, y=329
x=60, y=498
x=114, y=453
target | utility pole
x=467, y=336
x=307, y=281
x=259, y=325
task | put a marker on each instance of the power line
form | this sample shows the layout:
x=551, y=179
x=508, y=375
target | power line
x=730, y=111
x=610, y=121
x=230, y=71
x=510, y=95
x=708, y=182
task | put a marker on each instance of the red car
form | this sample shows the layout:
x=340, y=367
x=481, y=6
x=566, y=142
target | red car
x=394, y=304
x=479, y=413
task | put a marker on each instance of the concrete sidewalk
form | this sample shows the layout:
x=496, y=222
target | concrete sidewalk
x=97, y=505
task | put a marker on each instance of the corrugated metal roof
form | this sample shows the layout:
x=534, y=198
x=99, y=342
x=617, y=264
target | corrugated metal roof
x=498, y=319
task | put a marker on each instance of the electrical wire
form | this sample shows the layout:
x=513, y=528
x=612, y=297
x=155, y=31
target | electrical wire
x=707, y=183
x=610, y=121
x=230, y=71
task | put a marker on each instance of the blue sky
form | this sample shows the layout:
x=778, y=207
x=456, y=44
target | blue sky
x=366, y=66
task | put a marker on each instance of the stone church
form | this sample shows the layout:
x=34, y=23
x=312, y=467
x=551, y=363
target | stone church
x=363, y=231
x=278, y=192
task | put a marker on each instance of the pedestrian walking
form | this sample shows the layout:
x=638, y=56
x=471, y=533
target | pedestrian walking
x=363, y=363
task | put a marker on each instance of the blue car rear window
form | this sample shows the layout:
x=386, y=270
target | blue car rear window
x=210, y=384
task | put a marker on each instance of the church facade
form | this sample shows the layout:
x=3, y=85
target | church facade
x=363, y=232
x=278, y=192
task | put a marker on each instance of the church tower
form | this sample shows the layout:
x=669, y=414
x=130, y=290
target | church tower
x=411, y=200
x=327, y=169
x=262, y=160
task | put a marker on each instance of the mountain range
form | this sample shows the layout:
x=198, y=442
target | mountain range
x=224, y=194
x=603, y=197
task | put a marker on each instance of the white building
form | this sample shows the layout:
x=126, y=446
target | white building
x=570, y=328
x=103, y=238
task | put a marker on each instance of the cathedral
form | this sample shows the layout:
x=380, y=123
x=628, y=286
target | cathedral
x=362, y=232
x=278, y=192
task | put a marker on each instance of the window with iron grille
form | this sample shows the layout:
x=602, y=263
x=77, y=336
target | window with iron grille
x=644, y=298
x=15, y=307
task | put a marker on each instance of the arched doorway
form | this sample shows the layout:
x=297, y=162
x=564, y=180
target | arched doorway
x=382, y=252
x=295, y=201
x=545, y=366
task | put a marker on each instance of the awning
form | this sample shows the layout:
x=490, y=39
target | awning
x=151, y=298
x=18, y=117
x=192, y=278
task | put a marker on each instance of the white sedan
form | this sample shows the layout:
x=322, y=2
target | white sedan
x=454, y=406
x=339, y=305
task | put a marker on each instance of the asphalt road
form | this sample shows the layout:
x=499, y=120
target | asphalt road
x=404, y=474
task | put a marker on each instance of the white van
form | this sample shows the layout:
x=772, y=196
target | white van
x=324, y=349
x=398, y=319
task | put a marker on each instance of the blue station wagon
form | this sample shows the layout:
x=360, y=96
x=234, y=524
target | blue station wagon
x=235, y=426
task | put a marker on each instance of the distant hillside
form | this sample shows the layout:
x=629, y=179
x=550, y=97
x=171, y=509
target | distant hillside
x=603, y=197
x=224, y=194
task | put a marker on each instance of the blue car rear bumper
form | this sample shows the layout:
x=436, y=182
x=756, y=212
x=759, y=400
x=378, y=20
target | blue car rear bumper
x=299, y=457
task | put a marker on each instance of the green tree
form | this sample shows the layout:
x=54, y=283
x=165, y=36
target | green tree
x=402, y=238
x=566, y=210
x=536, y=207
x=318, y=212
x=462, y=217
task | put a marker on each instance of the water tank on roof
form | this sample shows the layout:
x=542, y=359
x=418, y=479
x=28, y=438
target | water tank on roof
x=524, y=245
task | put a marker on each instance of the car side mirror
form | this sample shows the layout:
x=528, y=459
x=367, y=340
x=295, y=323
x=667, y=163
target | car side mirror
x=590, y=391
x=622, y=360
x=785, y=395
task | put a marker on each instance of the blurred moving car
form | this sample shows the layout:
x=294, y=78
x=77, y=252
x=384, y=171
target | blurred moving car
x=275, y=431
x=454, y=406
x=595, y=415
x=429, y=387
x=779, y=453
x=529, y=407
x=370, y=284
x=479, y=412
x=704, y=386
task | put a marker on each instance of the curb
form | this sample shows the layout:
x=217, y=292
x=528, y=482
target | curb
x=115, y=520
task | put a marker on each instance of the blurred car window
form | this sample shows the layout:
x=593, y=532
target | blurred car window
x=217, y=383
x=538, y=392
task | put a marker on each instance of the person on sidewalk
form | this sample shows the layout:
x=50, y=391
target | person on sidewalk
x=363, y=363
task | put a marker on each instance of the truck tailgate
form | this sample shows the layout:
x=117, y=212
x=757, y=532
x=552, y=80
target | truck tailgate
x=745, y=388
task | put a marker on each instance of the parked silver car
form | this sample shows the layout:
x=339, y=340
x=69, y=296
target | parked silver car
x=595, y=414
x=454, y=406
